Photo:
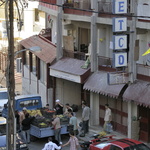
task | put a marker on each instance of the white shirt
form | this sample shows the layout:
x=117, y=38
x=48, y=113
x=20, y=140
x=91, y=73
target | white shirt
x=107, y=114
x=51, y=146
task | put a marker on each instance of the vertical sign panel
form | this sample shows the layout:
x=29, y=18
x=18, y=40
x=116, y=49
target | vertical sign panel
x=119, y=42
x=119, y=24
x=119, y=6
x=120, y=59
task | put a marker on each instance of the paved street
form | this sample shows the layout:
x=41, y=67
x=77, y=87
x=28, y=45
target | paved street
x=39, y=143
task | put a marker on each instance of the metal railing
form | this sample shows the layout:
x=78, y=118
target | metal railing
x=74, y=54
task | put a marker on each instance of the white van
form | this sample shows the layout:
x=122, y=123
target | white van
x=3, y=98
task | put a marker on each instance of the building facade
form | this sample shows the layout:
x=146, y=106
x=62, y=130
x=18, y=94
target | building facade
x=82, y=31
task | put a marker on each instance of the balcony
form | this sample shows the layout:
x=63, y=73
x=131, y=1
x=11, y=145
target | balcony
x=143, y=72
x=74, y=54
x=143, y=10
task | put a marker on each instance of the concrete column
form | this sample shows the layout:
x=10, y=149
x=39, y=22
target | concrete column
x=132, y=62
x=59, y=52
x=93, y=58
x=129, y=119
x=94, y=106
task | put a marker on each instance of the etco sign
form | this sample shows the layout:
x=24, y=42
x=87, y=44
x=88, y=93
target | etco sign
x=119, y=25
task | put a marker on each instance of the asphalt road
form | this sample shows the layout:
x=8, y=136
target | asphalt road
x=39, y=143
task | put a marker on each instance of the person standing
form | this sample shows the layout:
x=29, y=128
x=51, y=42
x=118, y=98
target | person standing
x=85, y=117
x=68, y=109
x=73, y=121
x=51, y=145
x=59, y=107
x=57, y=128
x=26, y=128
x=107, y=117
x=73, y=141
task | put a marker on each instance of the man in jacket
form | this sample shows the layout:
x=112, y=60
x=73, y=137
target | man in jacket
x=26, y=128
x=85, y=117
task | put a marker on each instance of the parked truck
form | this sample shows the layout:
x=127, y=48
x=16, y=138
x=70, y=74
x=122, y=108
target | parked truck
x=41, y=126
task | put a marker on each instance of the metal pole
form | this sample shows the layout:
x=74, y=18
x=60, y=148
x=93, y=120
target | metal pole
x=10, y=80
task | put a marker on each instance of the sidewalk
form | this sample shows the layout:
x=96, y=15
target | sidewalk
x=95, y=130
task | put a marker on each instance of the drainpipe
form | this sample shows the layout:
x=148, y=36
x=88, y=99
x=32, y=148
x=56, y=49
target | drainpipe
x=59, y=51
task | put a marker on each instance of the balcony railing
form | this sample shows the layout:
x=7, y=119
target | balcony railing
x=74, y=54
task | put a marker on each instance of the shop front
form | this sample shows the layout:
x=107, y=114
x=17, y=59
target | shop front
x=139, y=94
x=105, y=93
x=69, y=80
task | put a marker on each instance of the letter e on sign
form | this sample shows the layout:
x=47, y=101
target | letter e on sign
x=120, y=59
x=119, y=6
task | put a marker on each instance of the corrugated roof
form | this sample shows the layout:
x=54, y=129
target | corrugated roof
x=139, y=92
x=98, y=83
x=48, y=53
x=70, y=65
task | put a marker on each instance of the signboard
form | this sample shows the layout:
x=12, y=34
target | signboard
x=120, y=59
x=117, y=78
x=119, y=42
x=119, y=6
x=119, y=24
x=64, y=75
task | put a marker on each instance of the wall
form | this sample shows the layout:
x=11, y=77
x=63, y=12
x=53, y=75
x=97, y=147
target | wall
x=31, y=88
x=68, y=92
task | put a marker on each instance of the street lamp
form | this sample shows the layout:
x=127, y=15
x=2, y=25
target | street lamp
x=32, y=49
x=11, y=120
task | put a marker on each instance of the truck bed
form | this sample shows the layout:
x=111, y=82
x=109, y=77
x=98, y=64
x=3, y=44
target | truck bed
x=46, y=132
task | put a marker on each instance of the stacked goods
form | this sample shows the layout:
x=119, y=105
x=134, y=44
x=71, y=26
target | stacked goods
x=34, y=112
x=64, y=120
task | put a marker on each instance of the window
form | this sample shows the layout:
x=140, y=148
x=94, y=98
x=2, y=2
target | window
x=28, y=103
x=43, y=72
x=113, y=147
x=34, y=63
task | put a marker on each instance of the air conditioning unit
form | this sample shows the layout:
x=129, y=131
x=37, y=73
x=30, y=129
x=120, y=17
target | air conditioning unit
x=19, y=64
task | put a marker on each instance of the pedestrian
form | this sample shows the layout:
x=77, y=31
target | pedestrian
x=51, y=145
x=26, y=127
x=68, y=109
x=73, y=121
x=107, y=117
x=85, y=117
x=59, y=107
x=73, y=141
x=17, y=116
x=47, y=106
x=57, y=128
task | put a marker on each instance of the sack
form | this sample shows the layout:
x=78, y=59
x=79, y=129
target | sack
x=82, y=134
x=109, y=127
x=74, y=108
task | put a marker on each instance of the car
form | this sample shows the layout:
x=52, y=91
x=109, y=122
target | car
x=111, y=143
x=3, y=98
x=20, y=144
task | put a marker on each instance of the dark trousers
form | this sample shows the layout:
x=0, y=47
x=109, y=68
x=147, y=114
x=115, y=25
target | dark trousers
x=86, y=126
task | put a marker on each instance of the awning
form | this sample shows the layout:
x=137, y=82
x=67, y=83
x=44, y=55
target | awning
x=139, y=92
x=48, y=53
x=98, y=83
x=70, y=69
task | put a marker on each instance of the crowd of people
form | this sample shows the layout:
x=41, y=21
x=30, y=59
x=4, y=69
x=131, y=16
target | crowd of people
x=23, y=120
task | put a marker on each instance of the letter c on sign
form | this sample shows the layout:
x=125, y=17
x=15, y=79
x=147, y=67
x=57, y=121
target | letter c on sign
x=121, y=45
x=121, y=60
